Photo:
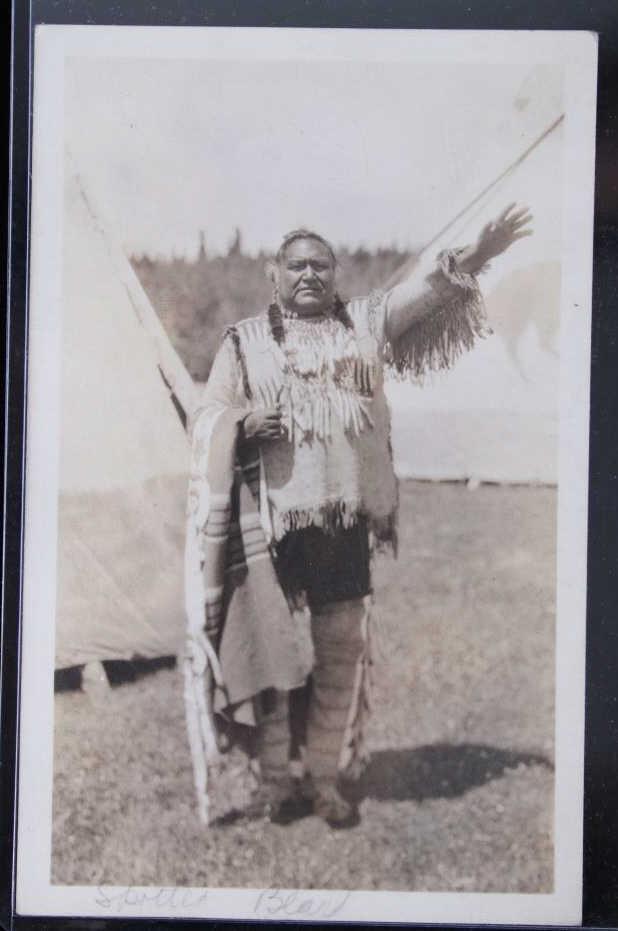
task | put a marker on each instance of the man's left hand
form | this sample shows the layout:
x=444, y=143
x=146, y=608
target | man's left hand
x=497, y=236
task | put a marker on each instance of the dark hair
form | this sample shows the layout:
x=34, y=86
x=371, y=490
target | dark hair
x=303, y=233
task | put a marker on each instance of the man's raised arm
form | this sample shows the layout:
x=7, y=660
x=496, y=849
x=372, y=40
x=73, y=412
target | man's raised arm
x=432, y=284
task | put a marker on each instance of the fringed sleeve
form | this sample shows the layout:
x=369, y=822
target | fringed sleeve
x=431, y=320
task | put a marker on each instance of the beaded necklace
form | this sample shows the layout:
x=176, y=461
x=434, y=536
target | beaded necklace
x=276, y=315
x=323, y=372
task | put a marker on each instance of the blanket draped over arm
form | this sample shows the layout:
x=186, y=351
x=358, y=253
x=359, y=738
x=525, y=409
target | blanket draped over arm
x=243, y=638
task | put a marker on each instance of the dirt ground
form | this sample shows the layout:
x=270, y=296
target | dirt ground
x=459, y=793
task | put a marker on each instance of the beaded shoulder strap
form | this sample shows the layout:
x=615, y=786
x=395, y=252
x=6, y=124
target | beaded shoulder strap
x=232, y=333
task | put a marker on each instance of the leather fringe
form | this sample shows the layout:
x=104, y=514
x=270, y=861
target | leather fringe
x=330, y=517
x=335, y=515
x=437, y=340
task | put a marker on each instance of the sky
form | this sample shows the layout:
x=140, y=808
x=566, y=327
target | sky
x=368, y=153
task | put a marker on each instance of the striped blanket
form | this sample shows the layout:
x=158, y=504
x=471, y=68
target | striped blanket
x=243, y=637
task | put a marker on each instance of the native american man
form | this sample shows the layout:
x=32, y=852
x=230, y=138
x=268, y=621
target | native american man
x=292, y=488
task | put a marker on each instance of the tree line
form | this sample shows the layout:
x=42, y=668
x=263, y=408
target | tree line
x=197, y=298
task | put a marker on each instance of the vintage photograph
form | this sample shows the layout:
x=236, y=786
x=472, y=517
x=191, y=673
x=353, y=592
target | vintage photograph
x=315, y=336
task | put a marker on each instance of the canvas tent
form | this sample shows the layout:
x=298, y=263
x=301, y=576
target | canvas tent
x=123, y=458
x=494, y=416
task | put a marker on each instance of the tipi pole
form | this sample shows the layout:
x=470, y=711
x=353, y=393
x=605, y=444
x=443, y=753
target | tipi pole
x=407, y=266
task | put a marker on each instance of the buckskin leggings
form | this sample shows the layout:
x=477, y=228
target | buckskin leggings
x=337, y=632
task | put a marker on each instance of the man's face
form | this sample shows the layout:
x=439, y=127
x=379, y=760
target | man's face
x=306, y=277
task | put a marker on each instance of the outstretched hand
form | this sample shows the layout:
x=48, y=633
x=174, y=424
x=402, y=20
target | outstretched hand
x=497, y=236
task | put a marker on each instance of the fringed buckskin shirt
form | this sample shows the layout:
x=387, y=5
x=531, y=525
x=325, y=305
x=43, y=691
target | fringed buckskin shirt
x=332, y=469
x=334, y=461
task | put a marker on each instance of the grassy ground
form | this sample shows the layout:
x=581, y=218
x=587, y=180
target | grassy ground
x=459, y=793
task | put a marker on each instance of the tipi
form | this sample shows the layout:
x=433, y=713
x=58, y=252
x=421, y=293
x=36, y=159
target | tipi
x=123, y=457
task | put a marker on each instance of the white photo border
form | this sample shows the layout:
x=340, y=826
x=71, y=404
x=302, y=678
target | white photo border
x=577, y=51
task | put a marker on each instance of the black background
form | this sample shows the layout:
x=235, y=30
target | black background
x=601, y=766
